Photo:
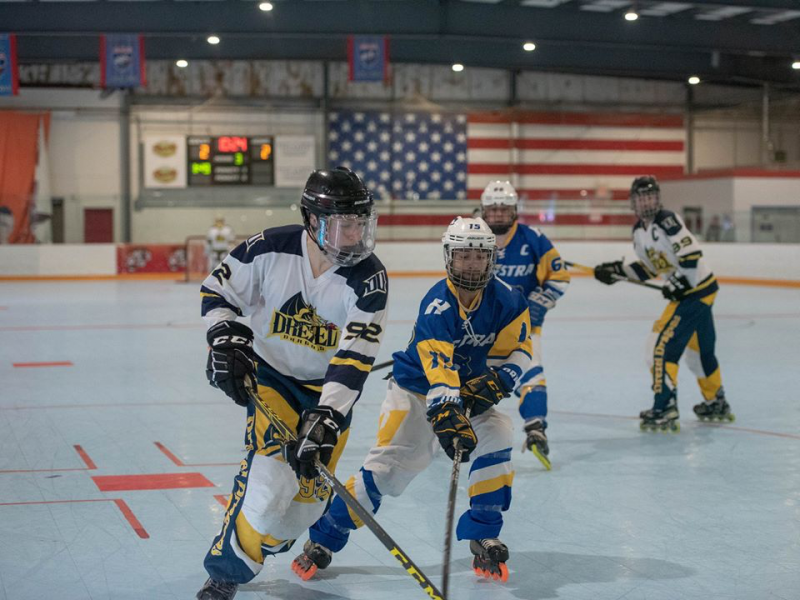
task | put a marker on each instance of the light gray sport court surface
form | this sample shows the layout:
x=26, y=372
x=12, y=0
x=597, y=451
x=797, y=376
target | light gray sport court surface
x=713, y=512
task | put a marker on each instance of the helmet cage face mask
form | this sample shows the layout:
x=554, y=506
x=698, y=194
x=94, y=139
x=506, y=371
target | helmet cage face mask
x=646, y=204
x=346, y=239
x=470, y=280
x=508, y=216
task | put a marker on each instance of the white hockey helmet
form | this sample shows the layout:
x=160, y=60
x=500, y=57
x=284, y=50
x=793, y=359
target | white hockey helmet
x=503, y=196
x=473, y=244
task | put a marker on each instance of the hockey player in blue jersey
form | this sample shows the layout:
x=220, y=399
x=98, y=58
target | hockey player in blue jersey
x=666, y=248
x=316, y=298
x=527, y=261
x=469, y=349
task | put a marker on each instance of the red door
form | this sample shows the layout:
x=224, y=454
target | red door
x=98, y=225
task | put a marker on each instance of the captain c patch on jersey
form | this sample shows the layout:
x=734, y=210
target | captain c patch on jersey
x=298, y=322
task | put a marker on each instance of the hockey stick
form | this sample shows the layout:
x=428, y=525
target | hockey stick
x=382, y=365
x=587, y=269
x=451, y=511
x=288, y=435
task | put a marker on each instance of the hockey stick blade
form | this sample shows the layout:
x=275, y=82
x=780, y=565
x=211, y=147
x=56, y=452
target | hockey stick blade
x=365, y=515
x=451, y=511
x=587, y=269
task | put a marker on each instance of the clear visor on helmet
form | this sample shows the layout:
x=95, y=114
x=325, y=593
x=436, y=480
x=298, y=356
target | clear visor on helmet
x=470, y=268
x=347, y=239
x=499, y=217
x=646, y=205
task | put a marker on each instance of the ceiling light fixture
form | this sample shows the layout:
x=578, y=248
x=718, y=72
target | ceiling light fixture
x=529, y=46
x=266, y=6
x=213, y=40
x=458, y=67
x=796, y=65
x=694, y=80
x=631, y=15
x=181, y=63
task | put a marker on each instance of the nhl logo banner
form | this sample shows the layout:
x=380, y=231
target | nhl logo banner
x=122, y=61
x=9, y=74
x=368, y=56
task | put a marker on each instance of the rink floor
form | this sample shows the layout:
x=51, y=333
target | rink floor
x=115, y=456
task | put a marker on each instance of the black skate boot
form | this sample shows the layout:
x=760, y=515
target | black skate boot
x=661, y=420
x=217, y=590
x=536, y=442
x=717, y=409
x=490, y=558
x=314, y=556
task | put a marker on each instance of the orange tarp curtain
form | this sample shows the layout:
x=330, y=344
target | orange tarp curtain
x=19, y=133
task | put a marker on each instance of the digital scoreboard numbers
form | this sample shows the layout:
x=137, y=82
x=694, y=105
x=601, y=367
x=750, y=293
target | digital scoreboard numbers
x=230, y=160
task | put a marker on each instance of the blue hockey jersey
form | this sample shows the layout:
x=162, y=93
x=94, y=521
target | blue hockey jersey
x=450, y=345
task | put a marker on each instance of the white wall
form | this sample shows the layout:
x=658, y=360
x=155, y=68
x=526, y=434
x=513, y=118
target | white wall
x=58, y=260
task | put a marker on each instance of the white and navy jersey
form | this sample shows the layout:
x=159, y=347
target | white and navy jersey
x=665, y=247
x=321, y=333
x=219, y=239
x=450, y=346
x=529, y=260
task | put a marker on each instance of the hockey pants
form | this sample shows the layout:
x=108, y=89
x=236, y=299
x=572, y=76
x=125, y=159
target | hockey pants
x=405, y=447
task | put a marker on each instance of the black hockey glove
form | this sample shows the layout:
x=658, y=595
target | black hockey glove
x=230, y=365
x=609, y=272
x=317, y=437
x=676, y=287
x=450, y=424
x=484, y=391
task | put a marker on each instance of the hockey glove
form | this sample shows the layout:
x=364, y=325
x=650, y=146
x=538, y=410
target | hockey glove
x=676, y=287
x=230, y=365
x=316, y=439
x=450, y=424
x=540, y=301
x=484, y=391
x=609, y=272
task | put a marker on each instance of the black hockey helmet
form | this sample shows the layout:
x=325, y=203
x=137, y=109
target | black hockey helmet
x=645, y=197
x=342, y=205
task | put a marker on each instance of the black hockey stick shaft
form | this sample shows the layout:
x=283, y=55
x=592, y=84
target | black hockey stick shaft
x=382, y=365
x=588, y=269
x=365, y=515
x=451, y=512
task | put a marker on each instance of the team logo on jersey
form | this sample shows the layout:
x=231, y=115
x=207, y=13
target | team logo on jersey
x=659, y=260
x=298, y=322
x=376, y=284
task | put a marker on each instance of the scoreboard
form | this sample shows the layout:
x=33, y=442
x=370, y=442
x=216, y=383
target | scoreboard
x=230, y=160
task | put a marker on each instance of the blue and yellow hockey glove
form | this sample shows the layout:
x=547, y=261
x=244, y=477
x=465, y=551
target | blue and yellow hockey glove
x=540, y=301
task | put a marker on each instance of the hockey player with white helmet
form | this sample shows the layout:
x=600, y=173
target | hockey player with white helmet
x=666, y=248
x=469, y=349
x=527, y=261
x=219, y=241
x=316, y=297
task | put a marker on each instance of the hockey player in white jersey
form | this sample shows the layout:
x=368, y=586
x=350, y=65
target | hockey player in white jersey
x=527, y=261
x=219, y=241
x=666, y=248
x=316, y=297
x=469, y=349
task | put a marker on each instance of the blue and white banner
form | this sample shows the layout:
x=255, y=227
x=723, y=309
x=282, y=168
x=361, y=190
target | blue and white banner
x=9, y=74
x=122, y=61
x=368, y=57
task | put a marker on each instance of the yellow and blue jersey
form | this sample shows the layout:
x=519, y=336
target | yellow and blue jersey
x=450, y=345
x=529, y=261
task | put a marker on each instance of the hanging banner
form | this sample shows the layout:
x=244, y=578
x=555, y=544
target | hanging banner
x=122, y=61
x=295, y=158
x=368, y=57
x=164, y=161
x=9, y=73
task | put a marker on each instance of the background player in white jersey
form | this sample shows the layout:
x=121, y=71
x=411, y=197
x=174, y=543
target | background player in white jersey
x=470, y=347
x=219, y=241
x=527, y=261
x=316, y=298
x=665, y=247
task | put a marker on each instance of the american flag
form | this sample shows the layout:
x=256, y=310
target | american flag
x=546, y=155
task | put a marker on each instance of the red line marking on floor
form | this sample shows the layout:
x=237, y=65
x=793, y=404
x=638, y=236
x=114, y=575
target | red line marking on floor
x=131, y=518
x=85, y=457
x=222, y=499
x=180, y=463
x=156, y=481
x=790, y=436
x=60, y=363
x=121, y=505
